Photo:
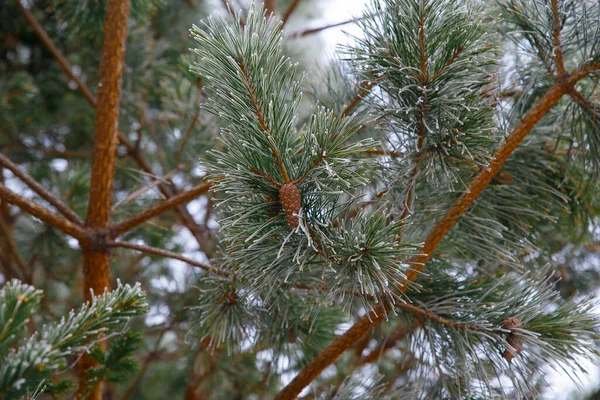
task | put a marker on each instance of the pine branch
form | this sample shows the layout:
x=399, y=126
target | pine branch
x=56, y=53
x=18, y=302
x=169, y=254
x=45, y=353
x=399, y=333
x=168, y=191
x=40, y=190
x=163, y=179
x=181, y=198
x=41, y=213
x=361, y=95
x=365, y=323
x=310, y=31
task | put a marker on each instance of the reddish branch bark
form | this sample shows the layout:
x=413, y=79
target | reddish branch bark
x=181, y=198
x=40, y=190
x=41, y=213
x=96, y=258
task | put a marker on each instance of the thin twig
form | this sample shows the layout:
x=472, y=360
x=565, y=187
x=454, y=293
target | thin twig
x=310, y=31
x=168, y=254
x=56, y=220
x=181, y=198
x=192, y=125
x=361, y=95
x=154, y=183
x=560, y=65
x=401, y=332
x=232, y=12
x=56, y=53
x=40, y=190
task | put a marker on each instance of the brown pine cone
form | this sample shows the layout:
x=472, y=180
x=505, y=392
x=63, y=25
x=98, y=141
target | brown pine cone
x=289, y=197
x=513, y=341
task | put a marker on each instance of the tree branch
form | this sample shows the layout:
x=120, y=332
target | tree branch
x=400, y=333
x=181, y=198
x=56, y=53
x=365, y=323
x=560, y=64
x=40, y=190
x=310, y=31
x=41, y=213
x=96, y=260
x=361, y=95
x=168, y=254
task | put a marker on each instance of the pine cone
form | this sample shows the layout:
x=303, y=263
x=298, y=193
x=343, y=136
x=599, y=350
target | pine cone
x=512, y=340
x=289, y=197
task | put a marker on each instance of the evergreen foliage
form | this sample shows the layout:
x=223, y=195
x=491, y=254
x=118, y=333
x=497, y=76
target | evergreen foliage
x=354, y=243
x=34, y=361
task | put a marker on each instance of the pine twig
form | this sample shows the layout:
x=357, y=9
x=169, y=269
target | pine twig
x=192, y=125
x=558, y=55
x=146, y=188
x=56, y=220
x=181, y=198
x=56, y=53
x=400, y=333
x=232, y=12
x=168, y=191
x=13, y=251
x=40, y=190
x=168, y=254
x=310, y=31
x=357, y=99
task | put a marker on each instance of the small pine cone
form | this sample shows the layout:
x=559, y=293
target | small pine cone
x=289, y=197
x=512, y=340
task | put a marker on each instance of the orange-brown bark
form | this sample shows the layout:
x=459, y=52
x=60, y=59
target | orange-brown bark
x=181, y=198
x=96, y=258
